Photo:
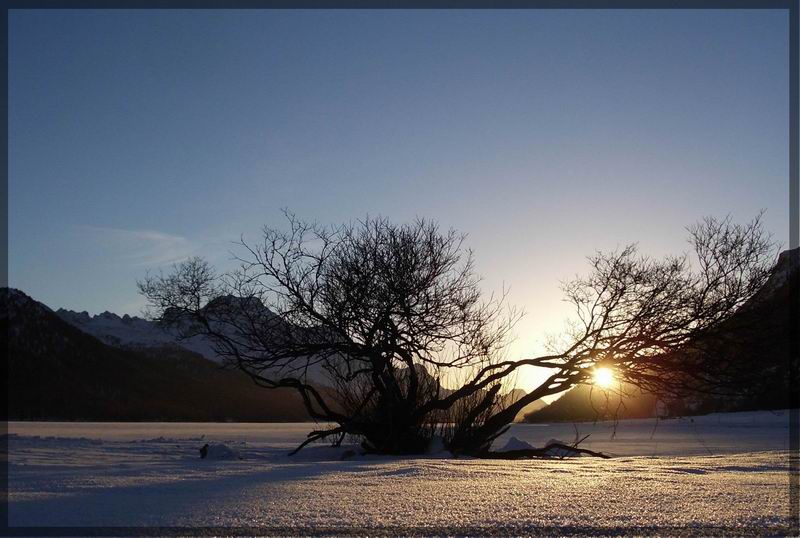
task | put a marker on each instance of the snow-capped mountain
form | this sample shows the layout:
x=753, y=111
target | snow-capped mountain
x=134, y=332
x=786, y=268
x=59, y=372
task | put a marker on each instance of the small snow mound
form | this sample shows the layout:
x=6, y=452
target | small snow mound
x=436, y=445
x=222, y=452
x=159, y=439
x=516, y=444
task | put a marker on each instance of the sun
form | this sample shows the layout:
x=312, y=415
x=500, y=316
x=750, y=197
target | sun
x=603, y=377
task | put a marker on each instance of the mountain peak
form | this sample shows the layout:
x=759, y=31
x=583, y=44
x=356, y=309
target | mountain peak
x=788, y=261
x=16, y=300
x=787, y=266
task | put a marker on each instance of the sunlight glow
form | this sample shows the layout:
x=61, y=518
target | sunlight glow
x=603, y=377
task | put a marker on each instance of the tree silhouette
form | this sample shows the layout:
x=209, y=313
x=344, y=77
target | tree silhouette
x=371, y=322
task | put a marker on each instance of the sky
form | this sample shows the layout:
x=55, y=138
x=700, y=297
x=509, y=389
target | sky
x=138, y=138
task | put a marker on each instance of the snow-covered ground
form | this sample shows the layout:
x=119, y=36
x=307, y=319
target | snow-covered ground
x=716, y=473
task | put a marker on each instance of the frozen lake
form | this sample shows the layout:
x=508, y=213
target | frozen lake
x=724, y=472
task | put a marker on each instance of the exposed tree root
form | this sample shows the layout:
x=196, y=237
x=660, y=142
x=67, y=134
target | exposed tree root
x=541, y=453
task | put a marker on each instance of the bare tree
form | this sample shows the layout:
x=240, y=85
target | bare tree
x=381, y=310
x=371, y=322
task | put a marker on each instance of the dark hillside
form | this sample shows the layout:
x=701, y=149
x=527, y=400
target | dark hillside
x=757, y=348
x=57, y=372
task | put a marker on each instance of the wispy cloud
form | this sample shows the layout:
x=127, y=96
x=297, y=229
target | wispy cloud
x=140, y=247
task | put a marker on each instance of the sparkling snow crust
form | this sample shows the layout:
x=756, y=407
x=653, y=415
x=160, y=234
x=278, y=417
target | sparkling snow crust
x=715, y=474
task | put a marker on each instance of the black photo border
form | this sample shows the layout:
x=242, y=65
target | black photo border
x=791, y=6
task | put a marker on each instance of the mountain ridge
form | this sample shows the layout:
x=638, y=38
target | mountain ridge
x=115, y=364
x=59, y=372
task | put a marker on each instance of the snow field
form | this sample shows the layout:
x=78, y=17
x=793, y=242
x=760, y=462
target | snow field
x=713, y=474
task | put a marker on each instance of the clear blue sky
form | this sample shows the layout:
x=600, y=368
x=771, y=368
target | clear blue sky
x=137, y=138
